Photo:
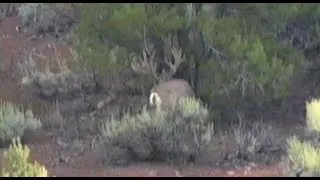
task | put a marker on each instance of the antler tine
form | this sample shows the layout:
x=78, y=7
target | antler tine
x=145, y=65
x=177, y=56
x=177, y=60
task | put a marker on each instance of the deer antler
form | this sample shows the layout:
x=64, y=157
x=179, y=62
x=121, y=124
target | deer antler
x=145, y=65
x=177, y=60
x=176, y=53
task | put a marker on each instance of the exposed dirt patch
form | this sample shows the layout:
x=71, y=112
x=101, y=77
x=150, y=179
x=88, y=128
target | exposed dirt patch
x=16, y=47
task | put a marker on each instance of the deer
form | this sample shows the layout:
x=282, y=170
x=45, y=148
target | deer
x=167, y=91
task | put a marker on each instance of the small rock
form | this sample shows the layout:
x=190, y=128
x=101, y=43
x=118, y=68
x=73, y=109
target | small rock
x=247, y=170
x=230, y=173
x=152, y=173
x=253, y=165
x=177, y=173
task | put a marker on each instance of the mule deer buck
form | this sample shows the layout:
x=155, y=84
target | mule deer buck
x=168, y=90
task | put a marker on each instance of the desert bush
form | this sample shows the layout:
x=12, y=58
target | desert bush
x=175, y=135
x=47, y=17
x=313, y=115
x=64, y=83
x=257, y=142
x=8, y=9
x=32, y=12
x=16, y=162
x=15, y=122
x=305, y=156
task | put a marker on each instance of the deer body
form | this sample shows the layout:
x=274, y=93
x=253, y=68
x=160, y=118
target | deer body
x=168, y=92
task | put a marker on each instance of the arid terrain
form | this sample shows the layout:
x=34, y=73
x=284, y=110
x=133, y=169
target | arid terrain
x=65, y=157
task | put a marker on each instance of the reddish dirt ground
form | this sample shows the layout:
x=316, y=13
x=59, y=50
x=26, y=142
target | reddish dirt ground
x=14, y=47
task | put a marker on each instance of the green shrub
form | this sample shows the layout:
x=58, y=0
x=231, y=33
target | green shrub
x=305, y=156
x=175, y=135
x=313, y=115
x=258, y=69
x=14, y=122
x=16, y=162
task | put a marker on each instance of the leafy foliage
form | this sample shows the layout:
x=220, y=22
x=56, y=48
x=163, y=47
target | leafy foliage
x=15, y=123
x=303, y=155
x=313, y=114
x=16, y=162
x=176, y=134
x=257, y=69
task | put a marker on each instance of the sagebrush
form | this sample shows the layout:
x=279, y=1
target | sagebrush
x=257, y=141
x=304, y=156
x=15, y=121
x=16, y=162
x=174, y=135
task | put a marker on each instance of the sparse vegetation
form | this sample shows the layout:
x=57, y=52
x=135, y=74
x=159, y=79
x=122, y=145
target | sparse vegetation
x=46, y=18
x=257, y=141
x=175, y=135
x=16, y=162
x=32, y=12
x=14, y=122
x=7, y=10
